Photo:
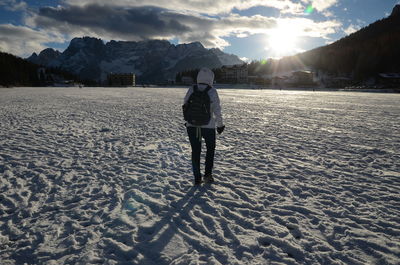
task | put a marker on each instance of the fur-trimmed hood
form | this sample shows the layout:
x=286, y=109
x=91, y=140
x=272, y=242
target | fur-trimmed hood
x=205, y=76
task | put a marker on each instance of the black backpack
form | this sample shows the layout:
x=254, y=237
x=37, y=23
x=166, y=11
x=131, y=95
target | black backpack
x=197, y=109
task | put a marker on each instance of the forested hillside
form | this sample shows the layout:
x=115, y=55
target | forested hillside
x=15, y=71
x=367, y=52
x=363, y=54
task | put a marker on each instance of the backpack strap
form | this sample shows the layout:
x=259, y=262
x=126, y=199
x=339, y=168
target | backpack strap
x=196, y=87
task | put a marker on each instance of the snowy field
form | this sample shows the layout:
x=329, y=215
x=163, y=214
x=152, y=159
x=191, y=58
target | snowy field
x=102, y=176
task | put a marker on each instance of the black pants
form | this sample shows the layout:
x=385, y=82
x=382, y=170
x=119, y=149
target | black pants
x=195, y=136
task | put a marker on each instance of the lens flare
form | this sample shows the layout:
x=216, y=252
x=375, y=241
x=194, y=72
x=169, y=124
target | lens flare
x=264, y=61
x=309, y=9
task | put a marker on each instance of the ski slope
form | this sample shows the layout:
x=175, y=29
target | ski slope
x=103, y=176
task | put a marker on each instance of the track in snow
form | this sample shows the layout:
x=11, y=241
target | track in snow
x=102, y=176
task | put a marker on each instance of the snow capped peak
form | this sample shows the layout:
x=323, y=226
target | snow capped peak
x=192, y=45
x=77, y=42
x=196, y=44
x=151, y=60
x=155, y=44
x=45, y=57
x=84, y=42
x=226, y=59
x=49, y=52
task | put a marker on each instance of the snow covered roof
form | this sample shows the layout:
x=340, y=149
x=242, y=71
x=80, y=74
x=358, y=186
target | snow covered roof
x=235, y=66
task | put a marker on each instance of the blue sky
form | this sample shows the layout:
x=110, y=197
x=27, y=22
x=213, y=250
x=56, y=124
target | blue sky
x=251, y=29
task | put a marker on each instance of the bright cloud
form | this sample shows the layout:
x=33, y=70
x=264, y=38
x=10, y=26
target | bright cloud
x=351, y=29
x=304, y=27
x=23, y=41
x=207, y=21
x=140, y=23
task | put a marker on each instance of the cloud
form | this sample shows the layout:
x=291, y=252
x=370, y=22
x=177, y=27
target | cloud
x=321, y=5
x=14, y=5
x=351, y=29
x=140, y=23
x=328, y=13
x=149, y=22
x=212, y=7
x=23, y=41
x=133, y=21
x=304, y=27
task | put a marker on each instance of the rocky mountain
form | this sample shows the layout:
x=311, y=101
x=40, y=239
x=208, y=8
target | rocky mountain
x=151, y=61
x=45, y=57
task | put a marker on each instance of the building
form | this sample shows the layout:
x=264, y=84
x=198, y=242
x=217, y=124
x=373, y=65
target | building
x=187, y=80
x=338, y=82
x=234, y=74
x=302, y=78
x=121, y=79
x=259, y=80
x=278, y=81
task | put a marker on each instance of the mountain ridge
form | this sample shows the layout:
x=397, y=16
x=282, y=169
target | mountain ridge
x=150, y=60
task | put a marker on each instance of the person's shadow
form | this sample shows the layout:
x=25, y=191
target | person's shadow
x=150, y=249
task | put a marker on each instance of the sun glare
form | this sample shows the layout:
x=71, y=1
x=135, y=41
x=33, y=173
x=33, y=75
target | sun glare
x=282, y=41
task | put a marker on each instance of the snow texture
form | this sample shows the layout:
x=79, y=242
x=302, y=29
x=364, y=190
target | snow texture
x=103, y=176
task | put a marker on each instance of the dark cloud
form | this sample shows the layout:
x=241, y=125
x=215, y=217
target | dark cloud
x=144, y=22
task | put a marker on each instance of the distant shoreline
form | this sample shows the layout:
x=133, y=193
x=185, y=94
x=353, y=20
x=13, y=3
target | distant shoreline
x=247, y=87
x=316, y=89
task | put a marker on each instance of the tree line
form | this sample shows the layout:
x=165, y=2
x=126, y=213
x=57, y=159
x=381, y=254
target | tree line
x=15, y=71
x=193, y=74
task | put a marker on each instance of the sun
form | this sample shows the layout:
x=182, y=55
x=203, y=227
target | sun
x=282, y=41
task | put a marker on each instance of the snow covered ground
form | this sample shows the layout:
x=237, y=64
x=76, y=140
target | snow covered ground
x=102, y=176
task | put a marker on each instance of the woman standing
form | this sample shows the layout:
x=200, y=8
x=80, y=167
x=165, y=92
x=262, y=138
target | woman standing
x=202, y=111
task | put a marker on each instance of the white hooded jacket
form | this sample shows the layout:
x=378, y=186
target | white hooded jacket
x=205, y=77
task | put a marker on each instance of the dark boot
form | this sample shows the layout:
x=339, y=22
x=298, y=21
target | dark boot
x=208, y=178
x=197, y=181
